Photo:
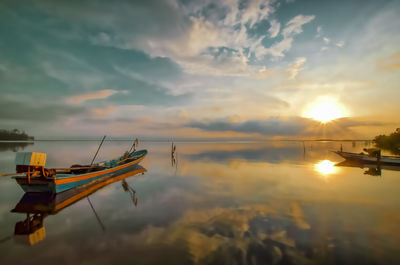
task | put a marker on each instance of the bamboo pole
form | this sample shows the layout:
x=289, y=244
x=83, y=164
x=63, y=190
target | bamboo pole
x=13, y=174
x=97, y=150
x=58, y=170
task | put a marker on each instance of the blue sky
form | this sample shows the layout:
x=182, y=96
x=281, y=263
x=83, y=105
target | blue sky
x=221, y=68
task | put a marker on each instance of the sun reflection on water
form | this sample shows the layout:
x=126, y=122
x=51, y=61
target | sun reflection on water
x=325, y=167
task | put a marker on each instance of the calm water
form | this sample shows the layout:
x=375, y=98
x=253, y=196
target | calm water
x=221, y=203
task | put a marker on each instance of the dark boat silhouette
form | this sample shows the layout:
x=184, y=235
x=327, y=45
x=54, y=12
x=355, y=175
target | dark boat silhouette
x=372, y=169
x=365, y=158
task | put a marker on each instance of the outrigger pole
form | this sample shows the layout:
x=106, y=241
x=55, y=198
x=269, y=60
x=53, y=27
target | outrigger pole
x=97, y=150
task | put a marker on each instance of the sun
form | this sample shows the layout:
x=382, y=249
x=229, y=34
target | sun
x=325, y=109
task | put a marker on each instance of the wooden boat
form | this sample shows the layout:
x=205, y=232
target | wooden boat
x=38, y=205
x=39, y=179
x=362, y=157
x=360, y=164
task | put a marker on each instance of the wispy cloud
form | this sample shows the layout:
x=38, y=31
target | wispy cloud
x=264, y=73
x=13, y=109
x=274, y=28
x=102, y=112
x=294, y=26
x=341, y=85
x=278, y=49
x=295, y=68
x=319, y=32
x=340, y=44
x=202, y=40
x=91, y=95
x=291, y=29
x=389, y=63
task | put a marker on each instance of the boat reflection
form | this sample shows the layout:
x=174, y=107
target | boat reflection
x=372, y=169
x=131, y=191
x=37, y=206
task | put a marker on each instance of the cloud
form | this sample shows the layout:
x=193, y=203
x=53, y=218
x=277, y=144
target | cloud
x=255, y=11
x=348, y=123
x=212, y=52
x=187, y=32
x=319, y=31
x=341, y=85
x=214, y=46
x=274, y=28
x=200, y=32
x=91, y=95
x=295, y=68
x=270, y=126
x=294, y=26
x=13, y=109
x=292, y=126
x=3, y=68
x=111, y=113
x=340, y=44
x=389, y=63
x=278, y=49
x=265, y=73
x=102, y=112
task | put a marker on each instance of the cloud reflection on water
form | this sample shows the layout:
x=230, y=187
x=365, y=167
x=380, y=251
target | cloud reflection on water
x=229, y=203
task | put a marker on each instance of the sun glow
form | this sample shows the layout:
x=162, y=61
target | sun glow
x=325, y=167
x=325, y=109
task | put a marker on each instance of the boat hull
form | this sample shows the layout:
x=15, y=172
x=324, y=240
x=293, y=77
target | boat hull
x=35, y=185
x=386, y=160
x=361, y=164
x=60, y=184
x=48, y=203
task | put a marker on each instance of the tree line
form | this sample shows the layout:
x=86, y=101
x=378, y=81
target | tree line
x=390, y=142
x=14, y=135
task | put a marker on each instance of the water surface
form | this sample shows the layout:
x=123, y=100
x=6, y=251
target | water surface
x=220, y=203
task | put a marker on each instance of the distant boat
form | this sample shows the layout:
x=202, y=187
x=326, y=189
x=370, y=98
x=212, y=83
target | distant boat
x=36, y=178
x=362, y=157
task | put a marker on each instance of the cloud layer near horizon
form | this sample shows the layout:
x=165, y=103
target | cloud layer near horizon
x=275, y=126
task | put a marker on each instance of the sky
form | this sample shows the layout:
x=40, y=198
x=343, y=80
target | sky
x=199, y=69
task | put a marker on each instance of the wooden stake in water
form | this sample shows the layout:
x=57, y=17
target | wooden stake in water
x=97, y=150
